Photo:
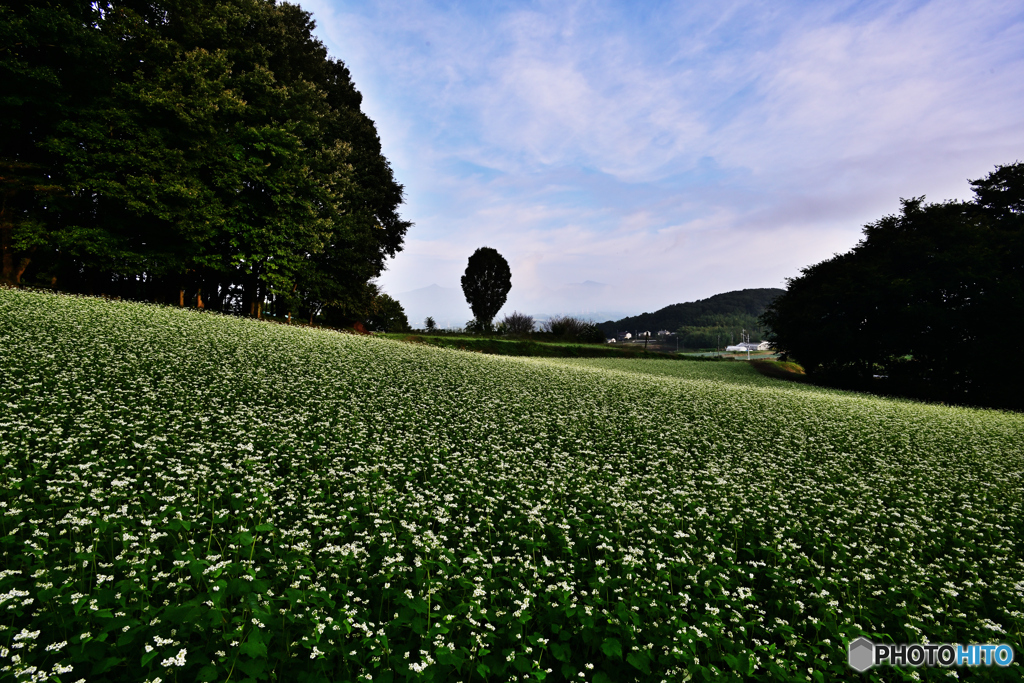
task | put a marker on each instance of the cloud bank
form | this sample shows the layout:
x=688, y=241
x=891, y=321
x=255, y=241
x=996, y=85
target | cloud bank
x=676, y=150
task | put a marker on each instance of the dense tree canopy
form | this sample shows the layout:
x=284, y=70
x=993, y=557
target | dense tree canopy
x=931, y=300
x=206, y=152
x=387, y=315
x=705, y=322
x=486, y=284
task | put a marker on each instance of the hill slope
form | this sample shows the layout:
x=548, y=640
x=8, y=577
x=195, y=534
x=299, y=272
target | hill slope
x=737, y=309
x=198, y=497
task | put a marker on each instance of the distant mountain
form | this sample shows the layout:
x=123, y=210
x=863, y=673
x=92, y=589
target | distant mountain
x=446, y=305
x=730, y=309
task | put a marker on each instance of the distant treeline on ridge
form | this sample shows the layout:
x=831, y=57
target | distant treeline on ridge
x=704, y=323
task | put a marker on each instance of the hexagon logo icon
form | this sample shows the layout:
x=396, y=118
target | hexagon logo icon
x=861, y=654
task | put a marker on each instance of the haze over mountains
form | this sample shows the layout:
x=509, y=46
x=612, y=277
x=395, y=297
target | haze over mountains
x=448, y=307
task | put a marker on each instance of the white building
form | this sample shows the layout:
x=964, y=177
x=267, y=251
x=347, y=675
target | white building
x=749, y=346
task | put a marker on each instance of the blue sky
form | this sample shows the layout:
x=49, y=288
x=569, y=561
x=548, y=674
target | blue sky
x=668, y=151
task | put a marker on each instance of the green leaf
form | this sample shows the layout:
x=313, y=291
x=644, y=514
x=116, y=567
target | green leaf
x=254, y=645
x=252, y=667
x=522, y=663
x=207, y=673
x=105, y=664
x=640, y=660
x=612, y=647
x=449, y=658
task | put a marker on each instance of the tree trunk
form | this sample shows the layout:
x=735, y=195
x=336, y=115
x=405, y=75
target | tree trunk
x=199, y=299
x=181, y=297
x=20, y=270
x=14, y=265
x=7, y=277
x=250, y=293
x=6, y=233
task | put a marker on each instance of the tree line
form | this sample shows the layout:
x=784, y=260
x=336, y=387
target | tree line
x=704, y=323
x=720, y=331
x=930, y=303
x=203, y=152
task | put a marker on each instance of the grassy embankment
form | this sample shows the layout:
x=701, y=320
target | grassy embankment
x=786, y=370
x=527, y=347
x=195, y=497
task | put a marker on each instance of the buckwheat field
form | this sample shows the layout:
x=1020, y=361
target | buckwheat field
x=193, y=497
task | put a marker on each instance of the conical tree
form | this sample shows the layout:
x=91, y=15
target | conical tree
x=486, y=284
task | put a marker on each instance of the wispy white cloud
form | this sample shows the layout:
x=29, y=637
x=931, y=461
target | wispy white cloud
x=678, y=149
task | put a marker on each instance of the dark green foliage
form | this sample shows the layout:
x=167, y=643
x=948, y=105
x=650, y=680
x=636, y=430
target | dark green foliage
x=387, y=315
x=47, y=59
x=486, y=284
x=700, y=322
x=574, y=329
x=929, y=300
x=477, y=326
x=592, y=334
x=190, y=152
x=727, y=331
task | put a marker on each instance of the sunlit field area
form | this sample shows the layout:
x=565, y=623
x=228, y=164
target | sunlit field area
x=193, y=497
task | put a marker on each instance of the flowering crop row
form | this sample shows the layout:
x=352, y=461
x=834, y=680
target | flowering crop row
x=195, y=497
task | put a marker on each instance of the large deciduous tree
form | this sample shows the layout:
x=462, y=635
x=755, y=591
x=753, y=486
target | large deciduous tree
x=929, y=300
x=181, y=150
x=486, y=284
x=387, y=315
x=48, y=60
